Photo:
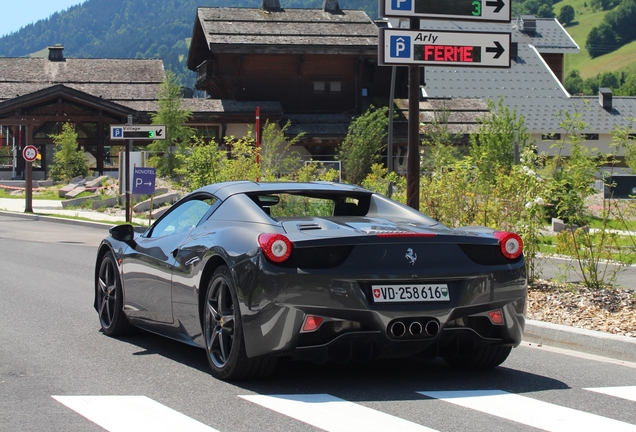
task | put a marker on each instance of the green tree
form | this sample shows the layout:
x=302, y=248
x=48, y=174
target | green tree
x=363, y=143
x=68, y=160
x=178, y=135
x=492, y=146
x=566, y=15
x=203, y=165
x=440, y=147
x=601, y=40
x=277, y=158
x=573, y=83
x=545, y=11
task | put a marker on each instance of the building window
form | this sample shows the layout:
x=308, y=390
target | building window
x=551, y=137
x=591, y=137
x=319, y=87
x=330, y=87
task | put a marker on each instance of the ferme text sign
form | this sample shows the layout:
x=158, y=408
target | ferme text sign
x=421, y=47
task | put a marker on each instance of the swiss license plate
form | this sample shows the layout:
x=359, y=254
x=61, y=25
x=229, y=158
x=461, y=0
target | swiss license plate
x=410, y=293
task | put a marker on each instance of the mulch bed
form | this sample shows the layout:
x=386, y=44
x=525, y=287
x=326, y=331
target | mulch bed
x=611, y=310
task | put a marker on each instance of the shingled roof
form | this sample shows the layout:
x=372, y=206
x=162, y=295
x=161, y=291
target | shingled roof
x=529, y=86
x=116, y=80
x=290, y=31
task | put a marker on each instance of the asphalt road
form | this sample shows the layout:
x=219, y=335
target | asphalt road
x=58, y=372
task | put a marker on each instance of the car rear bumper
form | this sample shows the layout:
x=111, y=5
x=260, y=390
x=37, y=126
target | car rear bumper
x=275, y=307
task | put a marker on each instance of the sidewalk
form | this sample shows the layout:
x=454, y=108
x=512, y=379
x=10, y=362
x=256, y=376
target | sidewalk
x=54, y=207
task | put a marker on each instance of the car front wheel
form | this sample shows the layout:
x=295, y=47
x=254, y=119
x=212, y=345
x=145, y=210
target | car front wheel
x=110, y=302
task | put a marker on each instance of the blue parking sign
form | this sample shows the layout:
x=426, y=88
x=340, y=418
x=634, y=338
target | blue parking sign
x=401, y=5
x=144, y=181
x=400, y=46
x=118, y=132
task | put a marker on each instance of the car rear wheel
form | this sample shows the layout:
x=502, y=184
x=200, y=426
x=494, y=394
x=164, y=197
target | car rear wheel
x=110, y=302
x=225, y=345
x=484, y=357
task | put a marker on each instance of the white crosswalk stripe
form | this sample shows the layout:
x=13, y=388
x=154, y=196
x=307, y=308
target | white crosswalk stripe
x=529, y=411
x=131, y=414
x=333, y=414
x=627, y=392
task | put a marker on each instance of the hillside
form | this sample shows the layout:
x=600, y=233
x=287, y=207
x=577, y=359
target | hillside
x=621, y=60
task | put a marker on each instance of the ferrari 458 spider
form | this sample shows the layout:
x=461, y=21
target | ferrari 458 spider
x=315, y=271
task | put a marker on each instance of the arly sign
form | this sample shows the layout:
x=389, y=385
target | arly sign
x=437, y=48
x=138, y=132
x=464, y=10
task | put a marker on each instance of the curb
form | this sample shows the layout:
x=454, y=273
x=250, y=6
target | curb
x=576, y=339
x=36, y=216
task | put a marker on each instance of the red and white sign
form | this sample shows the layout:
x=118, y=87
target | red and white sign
x=30, y=153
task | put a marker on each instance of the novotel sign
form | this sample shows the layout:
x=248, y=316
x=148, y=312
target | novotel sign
x=420, y=47
x=463, y=10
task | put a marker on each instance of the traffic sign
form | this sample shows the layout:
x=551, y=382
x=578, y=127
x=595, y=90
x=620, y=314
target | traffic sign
x=461, y=10
x=30, y=153
x=144, y=181
x=436, y=48
x=137, y=132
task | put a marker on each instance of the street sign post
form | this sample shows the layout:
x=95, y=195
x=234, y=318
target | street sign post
x=461, y=10
x=144, y=181
x=138, y=132
x=437, y=48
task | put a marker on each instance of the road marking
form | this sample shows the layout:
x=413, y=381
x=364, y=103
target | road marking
x=131, y=414
x=531, y=412
x=333, y=414
x=628, y=393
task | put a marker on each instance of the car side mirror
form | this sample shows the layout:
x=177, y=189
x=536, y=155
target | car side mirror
x=124, y=233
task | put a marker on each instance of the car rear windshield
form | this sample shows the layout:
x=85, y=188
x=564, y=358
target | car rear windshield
x=281, y=205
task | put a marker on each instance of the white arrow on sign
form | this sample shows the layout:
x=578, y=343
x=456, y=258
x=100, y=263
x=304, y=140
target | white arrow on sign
x=461, y=10
x=436, y=48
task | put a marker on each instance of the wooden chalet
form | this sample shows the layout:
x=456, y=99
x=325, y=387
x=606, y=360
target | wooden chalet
x=319, y=64
x=39, y=95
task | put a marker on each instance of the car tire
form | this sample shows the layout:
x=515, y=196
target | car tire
x=223, y=331
x=485, y=357
x=110, y=298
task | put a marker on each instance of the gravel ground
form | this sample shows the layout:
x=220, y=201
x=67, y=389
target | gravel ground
x=611, y=310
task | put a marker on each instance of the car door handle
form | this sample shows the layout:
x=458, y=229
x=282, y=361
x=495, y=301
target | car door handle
x=192, y=261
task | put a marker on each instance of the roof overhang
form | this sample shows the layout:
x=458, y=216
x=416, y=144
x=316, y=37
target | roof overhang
x=60, y=90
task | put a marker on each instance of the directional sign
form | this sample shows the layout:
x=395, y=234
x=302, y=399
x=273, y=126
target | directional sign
x=437, y=48
x=464, y=10
x=137, y=132
x=30, y=153
x=144, y=181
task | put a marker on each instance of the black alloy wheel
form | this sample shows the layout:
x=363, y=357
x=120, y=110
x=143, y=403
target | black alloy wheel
x=223, y=330
x=110, y=298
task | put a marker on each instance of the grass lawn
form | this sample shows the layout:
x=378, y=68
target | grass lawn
x=48, y=194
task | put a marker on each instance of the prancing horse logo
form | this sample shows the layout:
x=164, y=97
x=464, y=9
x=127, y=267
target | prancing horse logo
x=411, y=256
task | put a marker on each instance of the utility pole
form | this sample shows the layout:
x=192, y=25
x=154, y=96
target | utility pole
x=413, y=156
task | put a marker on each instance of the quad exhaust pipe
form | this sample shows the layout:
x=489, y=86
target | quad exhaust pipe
x=398, y=329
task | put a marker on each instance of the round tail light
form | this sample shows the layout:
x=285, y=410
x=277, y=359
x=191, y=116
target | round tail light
x=510, y=243
x=276, y=247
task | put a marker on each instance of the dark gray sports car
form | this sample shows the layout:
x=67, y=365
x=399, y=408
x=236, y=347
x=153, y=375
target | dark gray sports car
x=315, y=271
